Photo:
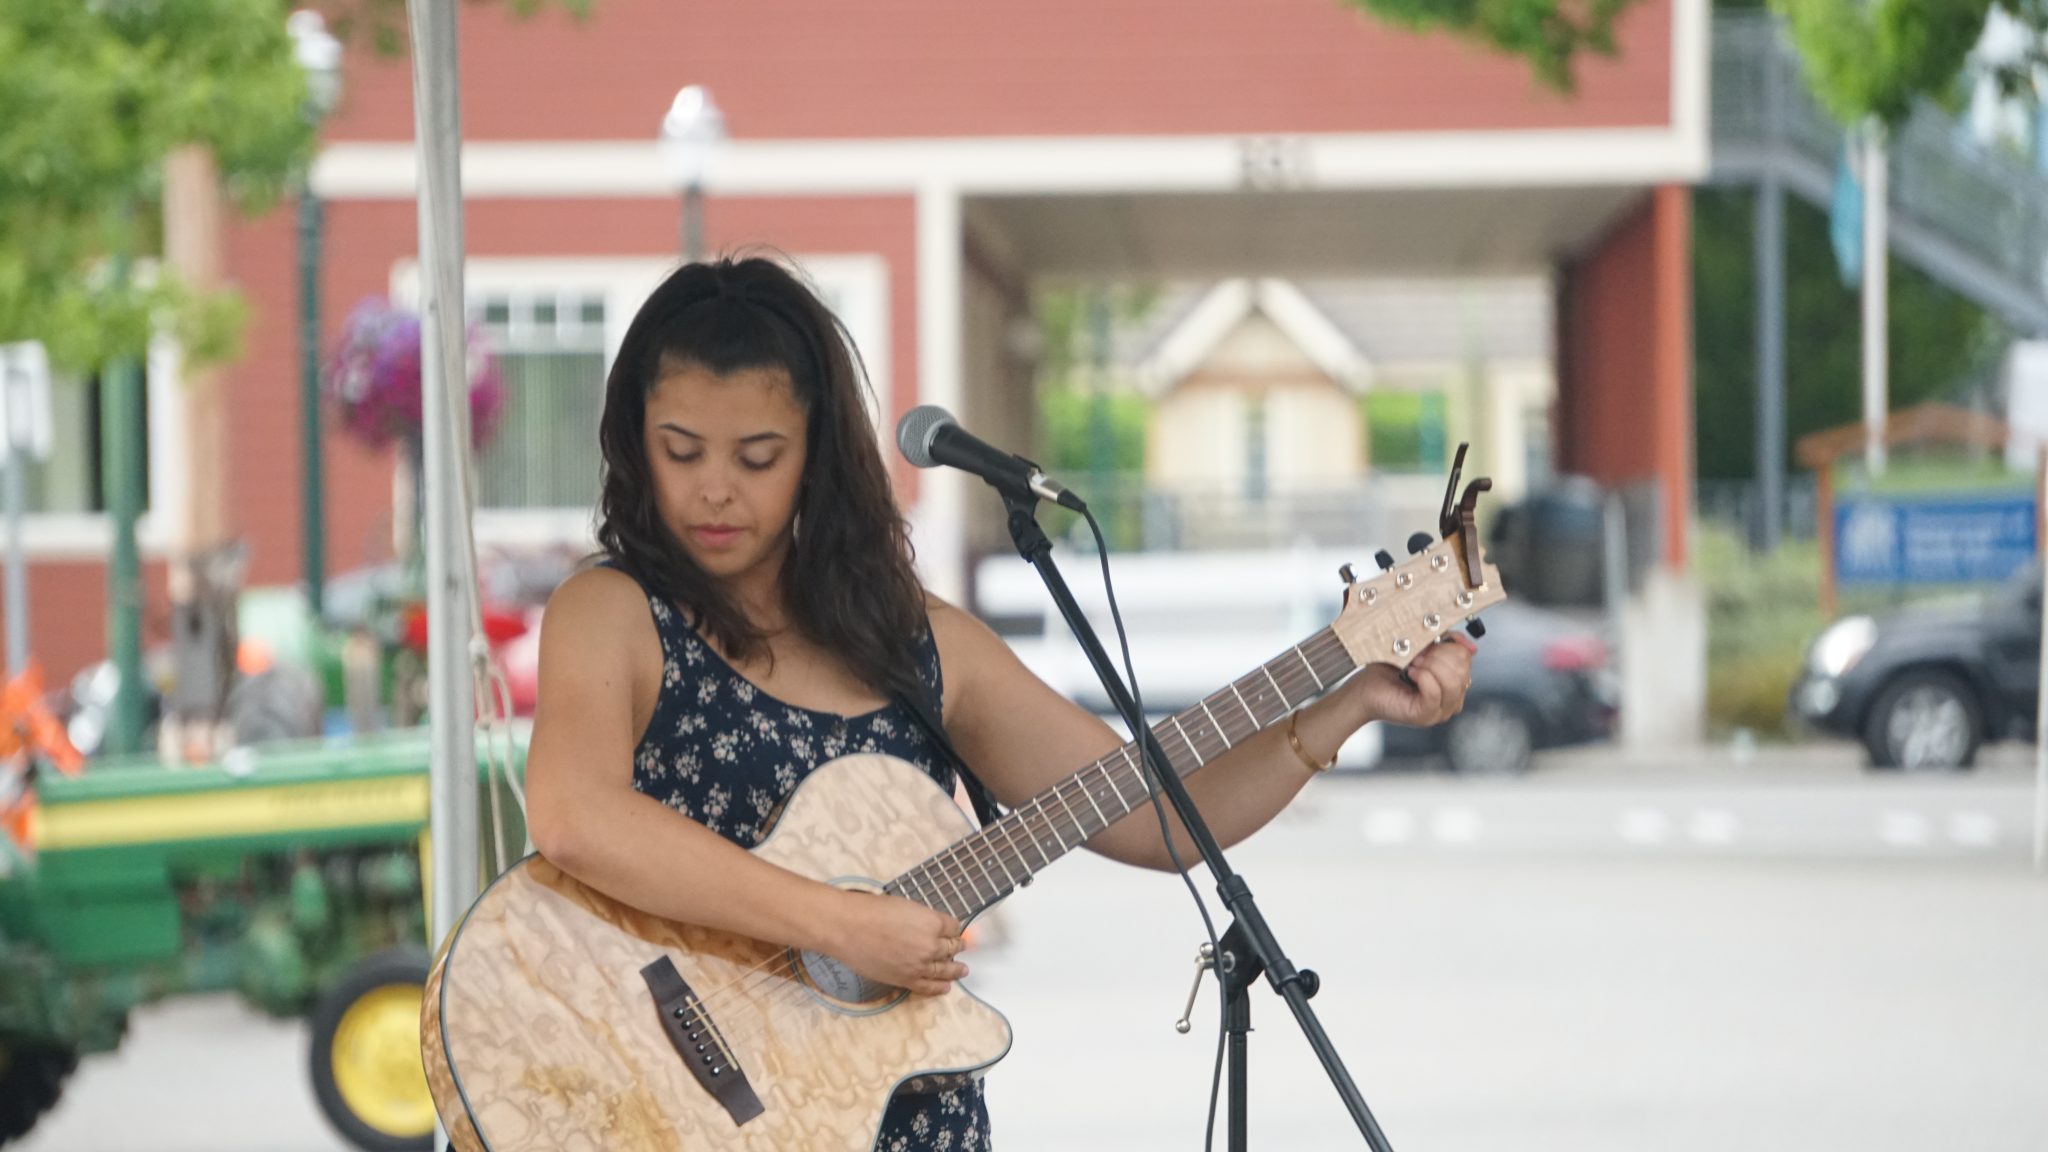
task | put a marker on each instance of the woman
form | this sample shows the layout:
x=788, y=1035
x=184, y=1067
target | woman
x=757, y=614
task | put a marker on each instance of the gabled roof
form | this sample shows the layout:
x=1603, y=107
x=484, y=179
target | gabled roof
x=1195, y=336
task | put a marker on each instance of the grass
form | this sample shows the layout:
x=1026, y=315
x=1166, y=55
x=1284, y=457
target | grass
x=1934, y=471
x=1762, y=611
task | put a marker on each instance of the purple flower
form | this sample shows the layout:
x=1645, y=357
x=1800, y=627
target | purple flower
x=373, y=378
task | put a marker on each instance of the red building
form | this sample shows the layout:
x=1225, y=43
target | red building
x=930, y=162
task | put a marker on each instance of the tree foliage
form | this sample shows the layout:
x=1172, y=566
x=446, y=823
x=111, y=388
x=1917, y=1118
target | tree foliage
x=94, y=95
x=1942, y=346
x=1869, y=58
x=1549, y=34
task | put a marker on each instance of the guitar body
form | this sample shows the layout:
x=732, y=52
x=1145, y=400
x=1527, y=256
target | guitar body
x=541, y=1033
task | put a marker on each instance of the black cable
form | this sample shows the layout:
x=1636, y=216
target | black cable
x=1165, y=832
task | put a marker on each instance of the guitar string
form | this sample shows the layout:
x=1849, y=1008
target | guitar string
x=1050, y=824
x=780, y=971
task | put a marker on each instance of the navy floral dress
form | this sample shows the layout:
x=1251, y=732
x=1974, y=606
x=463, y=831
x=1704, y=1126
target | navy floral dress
x=726, y=754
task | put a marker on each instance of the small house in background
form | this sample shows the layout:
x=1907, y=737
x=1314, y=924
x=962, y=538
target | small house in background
x=1316, y=411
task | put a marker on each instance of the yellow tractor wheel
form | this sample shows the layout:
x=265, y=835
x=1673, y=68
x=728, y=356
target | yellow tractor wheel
x=366, y=1055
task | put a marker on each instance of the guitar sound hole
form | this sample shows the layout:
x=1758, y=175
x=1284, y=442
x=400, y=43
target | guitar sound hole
x=834, y=980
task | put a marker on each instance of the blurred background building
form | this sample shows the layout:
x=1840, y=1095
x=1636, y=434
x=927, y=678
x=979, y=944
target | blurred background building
x=1347, y=228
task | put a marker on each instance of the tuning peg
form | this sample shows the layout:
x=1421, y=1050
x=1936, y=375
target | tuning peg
x=1344, y=570
x=1384, y=559
x=1476, y=628
x=1418, y=543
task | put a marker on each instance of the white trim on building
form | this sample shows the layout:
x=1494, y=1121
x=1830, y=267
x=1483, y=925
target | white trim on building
x=546, y=169
x=938, y=519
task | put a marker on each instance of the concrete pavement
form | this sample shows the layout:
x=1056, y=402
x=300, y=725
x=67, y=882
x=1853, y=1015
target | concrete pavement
x=1516, y=971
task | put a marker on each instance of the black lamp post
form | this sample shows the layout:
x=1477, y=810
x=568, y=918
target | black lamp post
x=690, y=132
x=320, y=55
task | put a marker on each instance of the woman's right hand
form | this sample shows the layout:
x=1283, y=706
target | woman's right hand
x=896, y=941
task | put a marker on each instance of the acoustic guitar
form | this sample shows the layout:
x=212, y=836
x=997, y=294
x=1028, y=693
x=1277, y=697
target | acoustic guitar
x=560, y=1020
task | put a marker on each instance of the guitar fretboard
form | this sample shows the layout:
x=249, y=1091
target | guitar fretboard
x=997, y=860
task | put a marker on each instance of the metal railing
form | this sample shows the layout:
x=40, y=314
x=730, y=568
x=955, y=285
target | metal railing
x=1369, y=512
x=1737, y=505
x=1973, y=217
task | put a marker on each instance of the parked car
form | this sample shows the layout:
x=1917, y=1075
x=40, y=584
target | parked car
x=1539, y=680
x=1198, y=622
x=1925, y=687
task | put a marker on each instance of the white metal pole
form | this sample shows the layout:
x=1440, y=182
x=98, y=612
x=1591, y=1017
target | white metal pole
x=1876, y=367
x=451, y=715
x=16, y=398
x=2041, y=682
x=2040, y=755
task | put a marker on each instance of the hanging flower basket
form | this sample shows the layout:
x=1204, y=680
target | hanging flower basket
x=373, y=379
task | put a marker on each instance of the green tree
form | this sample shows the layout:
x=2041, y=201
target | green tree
x=1942, y=344
x=1874, y=58
x=1549, y=34
x=93, y=97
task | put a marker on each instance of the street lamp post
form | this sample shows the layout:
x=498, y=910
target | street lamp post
x=692, y=130
x=320, y=55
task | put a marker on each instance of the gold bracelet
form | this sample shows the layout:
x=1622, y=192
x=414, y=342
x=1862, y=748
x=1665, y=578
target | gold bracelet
x=1295, y=742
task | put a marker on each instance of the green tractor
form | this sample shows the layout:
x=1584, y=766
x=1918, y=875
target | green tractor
x=289, y=873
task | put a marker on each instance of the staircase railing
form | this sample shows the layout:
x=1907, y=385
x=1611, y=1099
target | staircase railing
x=1970, y=215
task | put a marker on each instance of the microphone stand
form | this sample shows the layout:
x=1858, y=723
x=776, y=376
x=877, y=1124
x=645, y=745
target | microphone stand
x=1249, y=948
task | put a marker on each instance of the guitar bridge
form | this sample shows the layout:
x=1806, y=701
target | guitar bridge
x=688, y=1026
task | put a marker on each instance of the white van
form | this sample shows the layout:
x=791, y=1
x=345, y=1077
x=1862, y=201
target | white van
x=1196, y=620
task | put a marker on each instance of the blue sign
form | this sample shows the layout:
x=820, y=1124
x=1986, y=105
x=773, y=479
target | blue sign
x=1932, y=539
x=1845, y=218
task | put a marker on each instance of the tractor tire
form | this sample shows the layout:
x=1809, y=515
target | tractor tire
x=366, y=1067
x=31, y=1079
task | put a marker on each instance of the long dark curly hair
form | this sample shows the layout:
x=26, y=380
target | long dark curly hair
x=847, y=579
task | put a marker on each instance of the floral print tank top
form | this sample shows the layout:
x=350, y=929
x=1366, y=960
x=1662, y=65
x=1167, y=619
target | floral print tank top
x=726, y=754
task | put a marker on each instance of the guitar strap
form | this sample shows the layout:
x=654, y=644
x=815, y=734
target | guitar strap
x=922, y=706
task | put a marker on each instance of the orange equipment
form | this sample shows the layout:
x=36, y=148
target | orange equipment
x=29, y=732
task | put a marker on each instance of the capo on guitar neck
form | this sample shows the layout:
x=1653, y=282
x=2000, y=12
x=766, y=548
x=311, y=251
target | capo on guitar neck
x=1456, y=518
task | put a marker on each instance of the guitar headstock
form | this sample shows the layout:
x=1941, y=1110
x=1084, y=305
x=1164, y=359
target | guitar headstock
x=1392, y=617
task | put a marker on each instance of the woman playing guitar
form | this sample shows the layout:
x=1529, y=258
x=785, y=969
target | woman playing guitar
x=756, y=614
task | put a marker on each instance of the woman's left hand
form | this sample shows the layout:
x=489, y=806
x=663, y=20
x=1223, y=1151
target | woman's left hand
x=1432, y=691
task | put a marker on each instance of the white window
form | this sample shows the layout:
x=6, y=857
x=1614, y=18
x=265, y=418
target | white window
x=555, y=326
x=551, y=352
x=71, y=480
x=65, y=495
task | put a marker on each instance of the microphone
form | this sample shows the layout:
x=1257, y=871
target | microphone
x=929, y=436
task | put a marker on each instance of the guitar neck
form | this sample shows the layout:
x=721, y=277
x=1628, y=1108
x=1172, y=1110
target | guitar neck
x=994, y=862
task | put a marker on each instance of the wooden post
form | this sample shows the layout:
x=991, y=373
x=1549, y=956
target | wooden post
x=203, y=639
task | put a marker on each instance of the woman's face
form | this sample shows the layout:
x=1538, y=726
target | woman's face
x=727, y=457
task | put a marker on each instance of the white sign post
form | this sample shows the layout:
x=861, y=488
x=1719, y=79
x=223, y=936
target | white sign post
x=2041, y=688
x=24, y=431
